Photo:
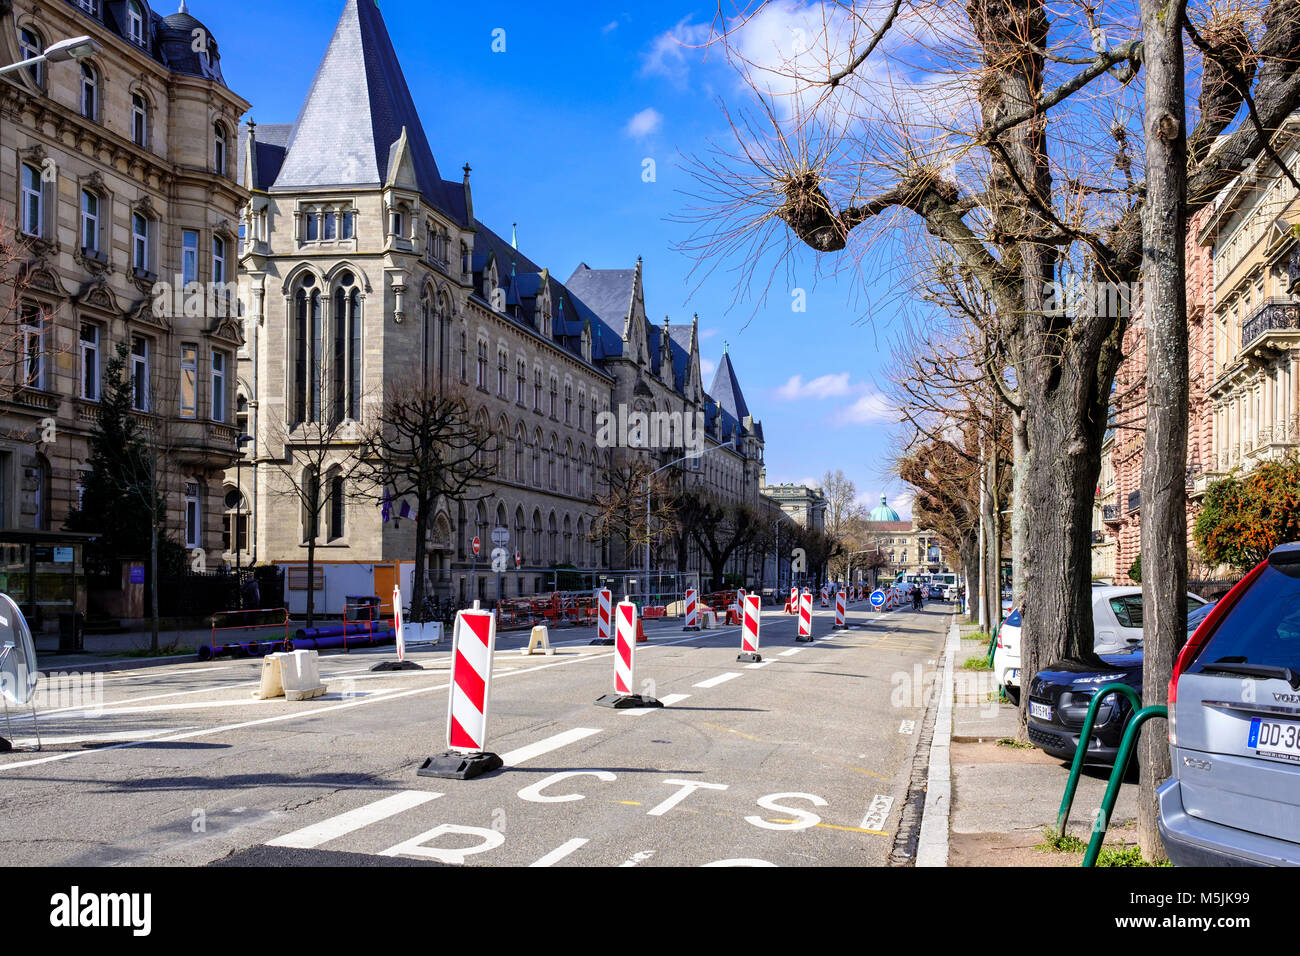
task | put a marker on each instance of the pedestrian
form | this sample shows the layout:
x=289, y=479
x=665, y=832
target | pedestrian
x=250, y=593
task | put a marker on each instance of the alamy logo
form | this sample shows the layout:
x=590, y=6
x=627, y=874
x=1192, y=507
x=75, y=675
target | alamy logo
x=658, y=430
x=196, y=300
x=102, y=910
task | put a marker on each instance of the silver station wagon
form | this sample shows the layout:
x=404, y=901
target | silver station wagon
x=1234, y=727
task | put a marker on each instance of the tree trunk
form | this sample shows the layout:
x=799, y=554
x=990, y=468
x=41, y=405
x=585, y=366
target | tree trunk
x=1164, y=453
x=153, y=577
x=1019, y=517
x=313, y=527
x=421, y=560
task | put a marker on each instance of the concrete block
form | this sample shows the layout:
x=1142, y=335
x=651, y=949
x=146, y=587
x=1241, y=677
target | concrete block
x=541, y=637
x=300, y=674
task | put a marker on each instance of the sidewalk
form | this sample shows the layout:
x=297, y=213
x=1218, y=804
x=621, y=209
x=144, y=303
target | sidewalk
x=103, y=651
x=1003, y=796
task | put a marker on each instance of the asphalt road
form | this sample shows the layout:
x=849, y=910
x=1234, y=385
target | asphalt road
x=801, y=760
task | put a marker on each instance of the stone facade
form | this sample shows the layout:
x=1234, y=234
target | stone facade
x=111, y=167
x=362, y=267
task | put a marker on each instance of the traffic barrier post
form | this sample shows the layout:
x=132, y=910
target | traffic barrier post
x=625, y=640
x=805, y=617
x=473, y=643
x=839, y=624
x=692, y=611
x=604, y=619
x=751, y=618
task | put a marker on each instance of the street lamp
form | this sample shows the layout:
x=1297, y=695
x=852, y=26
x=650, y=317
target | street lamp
x=240, y=442
x=731, y=444
x=77, y=48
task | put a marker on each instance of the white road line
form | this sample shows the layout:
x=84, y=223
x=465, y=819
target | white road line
x=791, y=652
x=638, y=858
x=667, y=701
x=309, y=838
x=515, y=757
x=93, y=738
x=878, y=812
x=312, y=712
x=715, y=681
x=560, y=852
x=758, y=664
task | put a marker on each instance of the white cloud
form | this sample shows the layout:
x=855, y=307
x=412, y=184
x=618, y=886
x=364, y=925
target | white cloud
x=708, y=333
x=824, y=386
x=668, y=55
x=646, y=122
x=870, y=408
x=610, y=27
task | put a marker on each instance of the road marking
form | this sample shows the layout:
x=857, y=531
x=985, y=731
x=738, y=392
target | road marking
x=667, y=701
x=638, y=858
x=308, y=838
x=907, y=726
x=93, y=738
x=759, y=740
x=715, y=681
x=631, y=803
x=515, y=757
x=878, y=813
x=791, y=652
x=755, y=666
x=560, y=852
x=687, y=788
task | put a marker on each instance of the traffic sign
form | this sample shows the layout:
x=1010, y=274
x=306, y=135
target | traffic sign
x=477, y=544
x=877, y=598
x=519, y=560
x=500, y=537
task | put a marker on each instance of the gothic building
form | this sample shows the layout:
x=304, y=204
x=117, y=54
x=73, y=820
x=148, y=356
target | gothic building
x=361, y=266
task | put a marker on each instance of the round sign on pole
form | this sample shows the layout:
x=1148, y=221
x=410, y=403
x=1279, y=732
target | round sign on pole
x=519, y=560
x=500, y=537
x=877, y=598
x=477, y=544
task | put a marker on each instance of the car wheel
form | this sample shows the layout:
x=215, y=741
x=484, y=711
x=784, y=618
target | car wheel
x=1012, y=694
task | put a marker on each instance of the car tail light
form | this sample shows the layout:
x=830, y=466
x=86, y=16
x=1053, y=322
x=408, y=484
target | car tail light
x=999, y=640
x=1201, y=636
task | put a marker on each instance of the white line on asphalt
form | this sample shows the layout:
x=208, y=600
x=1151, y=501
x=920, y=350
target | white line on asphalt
x=515, y=757
x=638, y=858
x=878, y=812
x=309, y=838
x=758, y=664
x=560, y=852
x=667, y=701
x=715, y=681
x=92, y=738
x=791, y=652
x=312, y=712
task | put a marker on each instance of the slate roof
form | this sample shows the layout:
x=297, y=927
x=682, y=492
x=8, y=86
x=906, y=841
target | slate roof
x=271, y=142
x=726, y=389
x=169, y=39
x=607, y=292
x=355, y=111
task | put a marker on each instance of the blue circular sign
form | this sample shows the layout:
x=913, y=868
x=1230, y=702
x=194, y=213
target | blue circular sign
x=877, y=598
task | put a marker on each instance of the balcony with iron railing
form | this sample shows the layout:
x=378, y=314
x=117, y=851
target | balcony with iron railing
x=1272, y=316
x=1111, y=512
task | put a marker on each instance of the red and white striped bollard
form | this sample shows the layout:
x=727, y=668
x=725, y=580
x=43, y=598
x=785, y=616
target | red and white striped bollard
x=625, y=629
x=750, y=619
x=473, y=641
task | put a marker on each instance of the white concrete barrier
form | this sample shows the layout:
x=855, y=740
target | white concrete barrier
x=272, y=684
x=708, y=619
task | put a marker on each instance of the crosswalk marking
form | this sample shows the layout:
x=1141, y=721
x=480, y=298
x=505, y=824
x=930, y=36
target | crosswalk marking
x=318, y=833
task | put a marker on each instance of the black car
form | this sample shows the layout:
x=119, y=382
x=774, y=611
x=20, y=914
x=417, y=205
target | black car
x=1060, y=693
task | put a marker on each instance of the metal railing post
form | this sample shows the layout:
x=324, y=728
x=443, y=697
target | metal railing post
x=1080, y=752
x=1117, y=778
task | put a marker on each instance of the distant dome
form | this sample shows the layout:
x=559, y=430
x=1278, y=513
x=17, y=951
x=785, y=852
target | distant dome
x=884, y=512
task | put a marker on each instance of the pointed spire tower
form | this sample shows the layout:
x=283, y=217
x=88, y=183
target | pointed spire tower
x=355, y=111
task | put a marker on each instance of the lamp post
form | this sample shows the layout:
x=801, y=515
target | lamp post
x=77, y=48
x=730, y=444
x=240, y=442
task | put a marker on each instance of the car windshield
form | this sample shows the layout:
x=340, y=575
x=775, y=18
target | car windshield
x=1263, y=627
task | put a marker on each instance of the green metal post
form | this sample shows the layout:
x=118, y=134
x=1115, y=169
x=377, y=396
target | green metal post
x=1063, y=815
x=1117, y=778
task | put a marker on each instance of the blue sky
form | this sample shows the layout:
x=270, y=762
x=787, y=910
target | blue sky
x=557, y=129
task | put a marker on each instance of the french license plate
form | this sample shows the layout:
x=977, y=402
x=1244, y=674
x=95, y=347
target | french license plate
x=1279, y=739
x=1041, y=711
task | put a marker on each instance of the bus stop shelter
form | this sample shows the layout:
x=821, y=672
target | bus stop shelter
x=45, y=574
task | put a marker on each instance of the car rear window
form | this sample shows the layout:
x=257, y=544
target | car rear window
x=1128, y=610
x=1262, y=628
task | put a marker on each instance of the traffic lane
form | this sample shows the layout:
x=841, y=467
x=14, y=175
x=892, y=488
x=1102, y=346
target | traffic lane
x=301, y=765
x=617, y=787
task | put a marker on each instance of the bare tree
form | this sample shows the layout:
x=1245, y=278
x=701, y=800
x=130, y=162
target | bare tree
x=426, y=443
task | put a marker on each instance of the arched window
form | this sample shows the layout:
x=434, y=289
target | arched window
x=234, y=524
x=30, y=46
x=552, y=542
x=135, y=22
x=568, y=540
x=139, y=119
x=568, y=454
x=345, y=359
x=550, y=464
x=311, y=504
x=307, y=351
x=219, y=149
x=193, y=515
x=89, y=92
x=580, y=546
x=537, y=460
x=582, y=470
x=537, y=538
x=89, y=221
x=521, y=442
x=482, y=365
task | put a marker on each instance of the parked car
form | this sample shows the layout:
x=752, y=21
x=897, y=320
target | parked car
x=1234, y=727
x=1006, y=656
x=1060, y=693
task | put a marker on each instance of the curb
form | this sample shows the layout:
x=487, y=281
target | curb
x=92, y=664
x=932, y=846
